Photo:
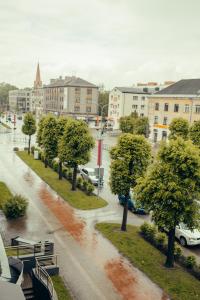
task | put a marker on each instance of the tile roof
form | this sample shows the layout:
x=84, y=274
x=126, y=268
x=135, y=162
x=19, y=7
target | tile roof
x=182, y=87
x=131, y=90
x=71, y=81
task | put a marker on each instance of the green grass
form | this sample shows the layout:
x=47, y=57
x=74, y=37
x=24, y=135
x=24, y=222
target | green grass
x=77, y=199
x=5, y=194
x=177, y=283
x=60, y=288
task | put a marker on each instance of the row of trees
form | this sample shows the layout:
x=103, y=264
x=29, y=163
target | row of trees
x=134, y=124
x=168, y=186
x=67, y=139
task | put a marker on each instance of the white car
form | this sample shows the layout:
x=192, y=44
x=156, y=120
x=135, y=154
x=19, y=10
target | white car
x=90, y=175
x=187, y=236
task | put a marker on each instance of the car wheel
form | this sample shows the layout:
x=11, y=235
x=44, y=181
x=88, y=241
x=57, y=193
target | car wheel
x=183, y=241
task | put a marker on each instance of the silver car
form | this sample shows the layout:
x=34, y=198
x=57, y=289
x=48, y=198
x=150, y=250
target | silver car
x=90, y=175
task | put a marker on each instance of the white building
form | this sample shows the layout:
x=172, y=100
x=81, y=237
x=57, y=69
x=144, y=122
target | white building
x=125, y=100
x=19, y=100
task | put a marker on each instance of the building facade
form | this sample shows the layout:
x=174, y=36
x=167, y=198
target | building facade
x=19, y=101
x=181, y=99
x=125, y=100
x=71, y=96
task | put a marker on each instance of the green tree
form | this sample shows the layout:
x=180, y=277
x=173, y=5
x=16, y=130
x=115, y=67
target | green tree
x=29, y=128
x=195, y=133
x=61, y=124
x=142, y=126
x=4, y=94
x=179, y=127
x=126, y=124
x=39, y=131
x=170, y=188
x=103, y=101
x=135, y=124
x=49, y=138
x=130, y=158
x=75, y=146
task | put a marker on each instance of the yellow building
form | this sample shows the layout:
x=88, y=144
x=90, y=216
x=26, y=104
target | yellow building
x=181, y=99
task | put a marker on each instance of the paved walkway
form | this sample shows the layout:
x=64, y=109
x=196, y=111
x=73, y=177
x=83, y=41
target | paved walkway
x=92, y=268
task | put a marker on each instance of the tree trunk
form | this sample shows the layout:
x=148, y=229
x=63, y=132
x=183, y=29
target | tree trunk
x=74, y=178
x=45, y=163
x=29, y=144
x=170, y=249
x=125, y=213
x=60, y=170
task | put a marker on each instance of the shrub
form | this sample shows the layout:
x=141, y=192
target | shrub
x=55, y=166
x=190, y=262
x=80, y=182
x=15, y=149
x=85, y=184
x=177, y=251
x=90, y=188
x=149, y=231
x=25, y=148
x=69, y=174
x=32, y=149
x=161, y=239
x=15, y=207
x=40, y=154
x=64, y=172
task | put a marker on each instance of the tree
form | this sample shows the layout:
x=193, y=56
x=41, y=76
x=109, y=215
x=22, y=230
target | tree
x=142, y=126
x=126, y=124
x=39, y=131
x=49, y=138
x=61, y=124
x=170, y=187
x=130, y=158
x=135, y=124
x=75, y=146
x=179, y=127
x=29, y=128
x=4, y=94
x=103, y=101
x=195, y=133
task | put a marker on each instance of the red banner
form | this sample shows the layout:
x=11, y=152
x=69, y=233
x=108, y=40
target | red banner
x=99, y=156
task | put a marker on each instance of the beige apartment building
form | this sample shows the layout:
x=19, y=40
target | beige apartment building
x=71, y=96
x=181, y=99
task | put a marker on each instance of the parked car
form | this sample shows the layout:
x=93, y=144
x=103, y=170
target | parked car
x=90, y=175
x=131, y=205
x=187, y=236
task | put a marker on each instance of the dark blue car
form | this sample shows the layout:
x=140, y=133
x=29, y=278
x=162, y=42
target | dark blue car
x=131, y=205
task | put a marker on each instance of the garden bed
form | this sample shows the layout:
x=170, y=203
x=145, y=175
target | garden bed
x=77, y=199
x=176, y=282
x=60, y=288
x=5, y=193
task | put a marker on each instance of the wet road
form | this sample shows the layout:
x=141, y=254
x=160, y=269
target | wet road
x=92, y=268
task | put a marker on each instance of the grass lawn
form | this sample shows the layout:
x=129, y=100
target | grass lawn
x=177, y=283
x=77, y=199
x=60, y=288
x=5, y=193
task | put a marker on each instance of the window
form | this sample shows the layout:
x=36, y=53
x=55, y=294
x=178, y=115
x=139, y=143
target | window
x=77, y=100
x=77, y=108
x=187, y=108
x=197, y=109
x=88, y=109
x=142, y=106
x=135, y=97
x=134, y=106
x=165, y=121
x=164, y=135
x=156, y=106
x=166, y=107
x=143, y=98
x=88, y=101
x=77, y=90
x=89, y=91
x=155, y=135
x=156, y=120
x=176, y=107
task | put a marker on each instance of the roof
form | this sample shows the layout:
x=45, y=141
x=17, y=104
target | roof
x=70, y=81
x=131, y=90
x=182, y=87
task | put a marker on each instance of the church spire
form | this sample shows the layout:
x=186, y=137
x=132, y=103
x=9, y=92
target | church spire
x=38, y=81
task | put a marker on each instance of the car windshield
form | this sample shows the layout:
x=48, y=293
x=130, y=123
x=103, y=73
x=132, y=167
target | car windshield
x=183, y=226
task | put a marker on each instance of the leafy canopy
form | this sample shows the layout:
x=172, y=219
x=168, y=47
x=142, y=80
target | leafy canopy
x=171, y=186
x=40, y=130
x=76, y=143
x=179, y=127
x=29, y=126
x=135, y=124
x=49, y=137
x=130, y=158
x=195, y=133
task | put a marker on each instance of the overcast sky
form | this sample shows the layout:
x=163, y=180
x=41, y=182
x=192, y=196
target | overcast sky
x=115, y=42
